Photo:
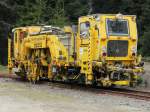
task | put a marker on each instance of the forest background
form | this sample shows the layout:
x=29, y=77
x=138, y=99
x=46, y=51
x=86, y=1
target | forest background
x=14, y=13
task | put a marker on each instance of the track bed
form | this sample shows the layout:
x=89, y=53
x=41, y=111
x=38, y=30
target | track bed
x=21, y=96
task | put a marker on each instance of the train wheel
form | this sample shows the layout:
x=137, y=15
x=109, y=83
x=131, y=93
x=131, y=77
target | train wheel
x=33, y=75
x=133, y=84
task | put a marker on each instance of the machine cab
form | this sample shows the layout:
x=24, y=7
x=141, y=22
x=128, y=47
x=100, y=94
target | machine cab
x=112, y=37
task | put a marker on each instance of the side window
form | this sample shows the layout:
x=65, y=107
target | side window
x=84, y=29
x=15, y=37
x=22, y=35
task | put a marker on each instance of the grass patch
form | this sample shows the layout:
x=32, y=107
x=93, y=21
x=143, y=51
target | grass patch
x=3, y=69
x=146, y=59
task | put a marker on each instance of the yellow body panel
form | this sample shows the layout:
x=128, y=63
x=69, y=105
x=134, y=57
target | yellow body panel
x=122, y=83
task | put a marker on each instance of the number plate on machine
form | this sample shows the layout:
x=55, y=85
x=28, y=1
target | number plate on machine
x=37, y=45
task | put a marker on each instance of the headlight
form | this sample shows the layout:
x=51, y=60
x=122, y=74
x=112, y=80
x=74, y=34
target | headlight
x=119, y=16
x=104, y=51
x=134, y=49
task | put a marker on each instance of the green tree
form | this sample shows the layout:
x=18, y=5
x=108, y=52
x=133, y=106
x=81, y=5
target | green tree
x=76, y=8
x=146, y=44
x=31, y=13
x=8, y=18
x=58, y=17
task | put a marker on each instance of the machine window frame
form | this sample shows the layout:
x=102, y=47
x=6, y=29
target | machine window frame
x=117, y=34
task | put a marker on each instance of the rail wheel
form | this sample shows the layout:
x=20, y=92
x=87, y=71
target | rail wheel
x=33, y=74
x=133, y=84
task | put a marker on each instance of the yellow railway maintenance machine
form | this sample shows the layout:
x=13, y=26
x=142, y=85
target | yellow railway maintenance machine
x=107, y=49
x=35, y=52
x=103, y=51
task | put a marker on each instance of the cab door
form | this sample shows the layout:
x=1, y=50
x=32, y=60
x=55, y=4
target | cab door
x=85, y=49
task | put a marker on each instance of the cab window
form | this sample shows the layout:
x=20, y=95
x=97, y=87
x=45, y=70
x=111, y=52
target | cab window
x=23, y=34
x=117, y=27
x=84, y=28
x=15, y=37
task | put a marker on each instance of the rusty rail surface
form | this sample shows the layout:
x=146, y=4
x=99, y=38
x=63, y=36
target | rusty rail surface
x=142, y=95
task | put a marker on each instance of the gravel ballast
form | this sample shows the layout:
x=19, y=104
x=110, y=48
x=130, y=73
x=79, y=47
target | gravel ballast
x=17, y=96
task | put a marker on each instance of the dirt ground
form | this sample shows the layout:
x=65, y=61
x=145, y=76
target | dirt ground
x=18, y=96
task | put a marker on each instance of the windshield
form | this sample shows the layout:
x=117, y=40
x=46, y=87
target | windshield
x=117, y=27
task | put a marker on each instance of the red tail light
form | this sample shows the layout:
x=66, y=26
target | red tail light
x=104, y=54
x=54, y=62
x=133, y=54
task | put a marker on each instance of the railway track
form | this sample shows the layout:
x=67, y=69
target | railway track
x=142, y=95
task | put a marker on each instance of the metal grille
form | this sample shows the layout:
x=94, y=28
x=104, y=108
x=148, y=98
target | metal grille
x=117, y=48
